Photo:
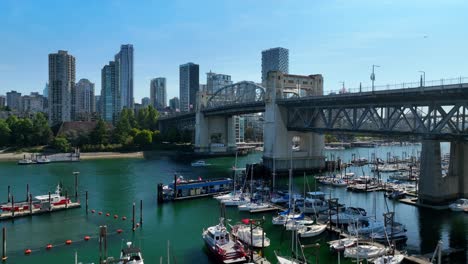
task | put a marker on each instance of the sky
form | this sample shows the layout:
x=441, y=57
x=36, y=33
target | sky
x=339, y=39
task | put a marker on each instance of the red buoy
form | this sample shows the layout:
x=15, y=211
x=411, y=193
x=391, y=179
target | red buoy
x=100, y=213
x=68, y=242
x=27, y=251
x=107, y=214
x=119, y=231
x=49, y=246
x=138, y=225
x=86, y=238
x=116, y=216
x=124, y=218
x=93, y=211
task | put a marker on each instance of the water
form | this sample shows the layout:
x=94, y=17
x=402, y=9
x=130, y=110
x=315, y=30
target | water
x=114, y=185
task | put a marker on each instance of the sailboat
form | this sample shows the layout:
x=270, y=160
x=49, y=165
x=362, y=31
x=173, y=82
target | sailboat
x=252, y=204
x=294, y=258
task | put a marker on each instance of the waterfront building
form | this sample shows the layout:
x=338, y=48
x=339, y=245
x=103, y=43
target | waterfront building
x=174, y=104
x=61, y=86
x=110, y=96
x=145, y=101
x=124, y=71
x=158, y=93
x=85, y=104
x=253, y=127
x=2, y=101
x=216, y=81
x=275, y=59
x=188, y=86
x=13, y=100
x=32, y=103
x=239, y=126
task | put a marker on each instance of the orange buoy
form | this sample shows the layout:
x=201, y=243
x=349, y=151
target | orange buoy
x=86, y=238
x=49, y=246
x=124, y=218
x=68, y=242
x=116, y=216
x=93, y=211
x=119, y=231
x=100, y=213
x=27, y=251
x=107, y=214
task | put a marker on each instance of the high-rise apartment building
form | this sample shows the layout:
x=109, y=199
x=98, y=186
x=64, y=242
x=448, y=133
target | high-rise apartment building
x=158, y=93
x=145, y=102
x=188, y=86
x=275, y=59
x=97, y=100
x=110, y=97
x=124, y=70
x=13, y=100
x=45, y=92
x=32, y=103
x=174, y=104
x=61, y=86
x=215, y=81
x=85, y=104
x=2, y=101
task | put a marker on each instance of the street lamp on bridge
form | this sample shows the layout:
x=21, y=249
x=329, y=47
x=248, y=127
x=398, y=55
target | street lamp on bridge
x=423, y=78
x=372, y=77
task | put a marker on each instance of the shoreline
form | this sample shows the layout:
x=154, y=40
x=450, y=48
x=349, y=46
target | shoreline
x=83, y=156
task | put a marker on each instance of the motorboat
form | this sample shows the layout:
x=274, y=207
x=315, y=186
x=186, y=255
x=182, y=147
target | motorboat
x=459, y=205
x=396, y=233
x=349, y=216
x=342, y=244
x=365, y=251
x=130, y=255
x=55, y=198
x=314, y=203
x=257, y=238
x=395, y=194
x=284, y=216
x=391, y=259
x=338, y=183
x=365, y=226
x=37, y=201
x=278, y=199
x=200, y=163
x=42, y=160
x=311, y=230
x=250, y=206
x=294, y=224
x=236, y=201
x=25, y=161
x=226, y=196
x=224, y=249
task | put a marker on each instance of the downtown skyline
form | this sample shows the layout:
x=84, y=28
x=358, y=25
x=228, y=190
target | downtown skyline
x=403, y=38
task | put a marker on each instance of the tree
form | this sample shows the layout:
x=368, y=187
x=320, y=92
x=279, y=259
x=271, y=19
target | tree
x=144, y=138
x=330, y=138
x=21, y=132
x=157, y=137
x=100, y=134
x=4, y=133
x=152, y=117
x=61, y=144
x=124, y=125
x=42, y=133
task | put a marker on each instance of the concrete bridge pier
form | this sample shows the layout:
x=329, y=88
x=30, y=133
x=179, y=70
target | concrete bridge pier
x=438, y=189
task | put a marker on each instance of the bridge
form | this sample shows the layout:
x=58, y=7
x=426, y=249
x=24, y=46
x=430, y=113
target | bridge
x=297, y=114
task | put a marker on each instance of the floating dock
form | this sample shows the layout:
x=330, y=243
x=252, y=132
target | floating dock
x=37, y=211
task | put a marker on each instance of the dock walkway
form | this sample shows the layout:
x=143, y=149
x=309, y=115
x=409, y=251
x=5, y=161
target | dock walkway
x=38, y=211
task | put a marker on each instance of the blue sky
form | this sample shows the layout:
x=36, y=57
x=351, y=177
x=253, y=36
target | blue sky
x=339, y=39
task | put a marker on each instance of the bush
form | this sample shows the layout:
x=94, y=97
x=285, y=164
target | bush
x=61, y=144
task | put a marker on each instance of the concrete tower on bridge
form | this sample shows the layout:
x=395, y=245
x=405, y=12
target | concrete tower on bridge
x=280, y=145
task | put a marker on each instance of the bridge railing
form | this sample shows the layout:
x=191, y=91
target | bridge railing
x=406, y=85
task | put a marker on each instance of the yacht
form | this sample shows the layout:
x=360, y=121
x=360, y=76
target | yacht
x=397, y=234
x=349, y=216
x=236, y=201
x=200, y=163
x=224, y=249
x=459, y=205
x=284, y=216
x=314, y=203
x=250, y=206
x=42, y=160
x=365, y=251
x=257, y=236
x=342, y=244
x=365, y=226
x=25, y=161
x=311, y=230
x=392, y=259
x=130, y=255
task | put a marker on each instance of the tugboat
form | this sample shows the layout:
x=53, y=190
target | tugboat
x=218, y=241
x=200, y=163
x=131, y=255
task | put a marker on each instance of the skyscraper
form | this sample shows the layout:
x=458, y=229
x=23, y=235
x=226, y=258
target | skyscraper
x=174, y=104
x=61, y=86
x=13, y=100
x=275, y=59
x=45, y=92
x=145, y=101
x=110, y=97
x=188, y=86
x=158, y=93
x=215, y=81
x=2, y=101
x=84, y=99
x=124, y=71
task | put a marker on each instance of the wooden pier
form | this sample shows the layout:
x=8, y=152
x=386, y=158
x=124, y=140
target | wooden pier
x=38, y=211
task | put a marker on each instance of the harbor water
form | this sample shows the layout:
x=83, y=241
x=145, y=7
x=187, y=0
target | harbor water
x=115, y=184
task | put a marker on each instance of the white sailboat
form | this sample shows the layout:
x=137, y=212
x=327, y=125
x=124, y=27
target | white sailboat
x=392, y=259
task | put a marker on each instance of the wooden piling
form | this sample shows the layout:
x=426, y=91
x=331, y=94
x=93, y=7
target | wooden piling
x=86, y=202
x=133, y=218
x=76, y=185
x=27, y=191
x=9, y=193
x=4, y=256
x=141, y=213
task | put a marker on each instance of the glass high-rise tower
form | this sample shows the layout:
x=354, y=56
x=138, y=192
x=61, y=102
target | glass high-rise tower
x=189, y=84
x=124, y=68
x=158, y=95
x=275, y=59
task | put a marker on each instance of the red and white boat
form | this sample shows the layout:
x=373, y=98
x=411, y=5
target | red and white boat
x=219, y=242
x=55, y=199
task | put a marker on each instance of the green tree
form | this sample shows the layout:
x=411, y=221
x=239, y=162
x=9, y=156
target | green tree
x=99, y=135
x=4, y=133
x=330, y=138
x=172, y=135
x=157, y=137
x=42, y=133
x=141, y=118
x=152, y=118
x=21, y=131
x=61, y=144
x=144, y=138
x=124, y=125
